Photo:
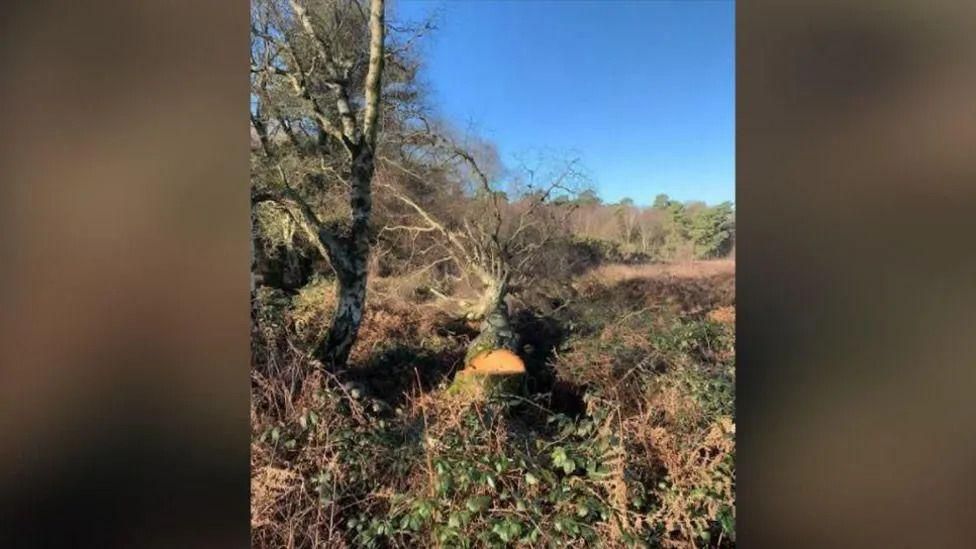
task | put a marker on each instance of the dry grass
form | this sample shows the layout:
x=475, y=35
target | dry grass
x=689, y=288
x=723, y=315
x=611, y=274
x=340, y=466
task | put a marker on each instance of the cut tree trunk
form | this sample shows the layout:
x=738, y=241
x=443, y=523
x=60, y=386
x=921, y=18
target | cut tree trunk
x=496, y=335
x=496, y=330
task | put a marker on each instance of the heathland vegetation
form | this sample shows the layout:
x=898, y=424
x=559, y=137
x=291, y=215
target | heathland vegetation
x=392, y=252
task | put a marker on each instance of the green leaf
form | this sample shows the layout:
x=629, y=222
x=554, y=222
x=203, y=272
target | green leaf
x=531, y=479
x=478, y=504
x=569, y=466
x=501, y=531
x=727, y=521
x=443, y=485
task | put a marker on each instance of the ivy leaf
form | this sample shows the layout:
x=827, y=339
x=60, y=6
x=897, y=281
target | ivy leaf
x=501, y=531
x=569, y=466
x=478, y=504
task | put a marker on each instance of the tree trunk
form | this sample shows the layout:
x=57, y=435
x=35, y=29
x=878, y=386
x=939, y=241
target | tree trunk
x=347, y=248
x=346, y=320
x=496, y=331
x=351, y=267
x=350, y=259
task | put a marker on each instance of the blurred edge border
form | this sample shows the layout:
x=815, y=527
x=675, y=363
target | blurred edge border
x=855, y=170
x=124, y=388
x=125, y=317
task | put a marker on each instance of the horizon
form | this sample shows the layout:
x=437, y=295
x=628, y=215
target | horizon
x=659, y=119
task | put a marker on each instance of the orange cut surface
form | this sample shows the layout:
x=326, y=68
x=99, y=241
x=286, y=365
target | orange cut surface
x=499, y=361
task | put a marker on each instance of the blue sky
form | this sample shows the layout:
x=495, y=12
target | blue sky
x=643, y=91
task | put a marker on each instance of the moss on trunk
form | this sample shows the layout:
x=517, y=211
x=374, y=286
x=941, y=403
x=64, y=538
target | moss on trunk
x=496, y=333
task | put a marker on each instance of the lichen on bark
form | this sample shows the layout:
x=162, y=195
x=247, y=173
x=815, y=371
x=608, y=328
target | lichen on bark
x=496, y=333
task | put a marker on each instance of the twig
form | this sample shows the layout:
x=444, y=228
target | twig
x=423, y=411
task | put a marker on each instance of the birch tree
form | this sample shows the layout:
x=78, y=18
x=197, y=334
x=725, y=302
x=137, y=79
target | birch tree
x=317, y=90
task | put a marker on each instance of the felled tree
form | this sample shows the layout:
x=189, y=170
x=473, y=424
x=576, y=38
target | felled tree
x=498, y=234
x=318, y=71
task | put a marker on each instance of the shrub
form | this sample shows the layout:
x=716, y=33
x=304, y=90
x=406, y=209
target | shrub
x=394, y=460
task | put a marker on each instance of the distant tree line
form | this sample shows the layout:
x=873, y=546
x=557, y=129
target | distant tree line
x=668, y=230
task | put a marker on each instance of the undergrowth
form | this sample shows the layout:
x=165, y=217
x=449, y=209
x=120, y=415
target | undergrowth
x=382, y=456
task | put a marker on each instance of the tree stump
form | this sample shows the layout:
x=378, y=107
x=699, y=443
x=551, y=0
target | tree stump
x=489, y=373
x=491, y=365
